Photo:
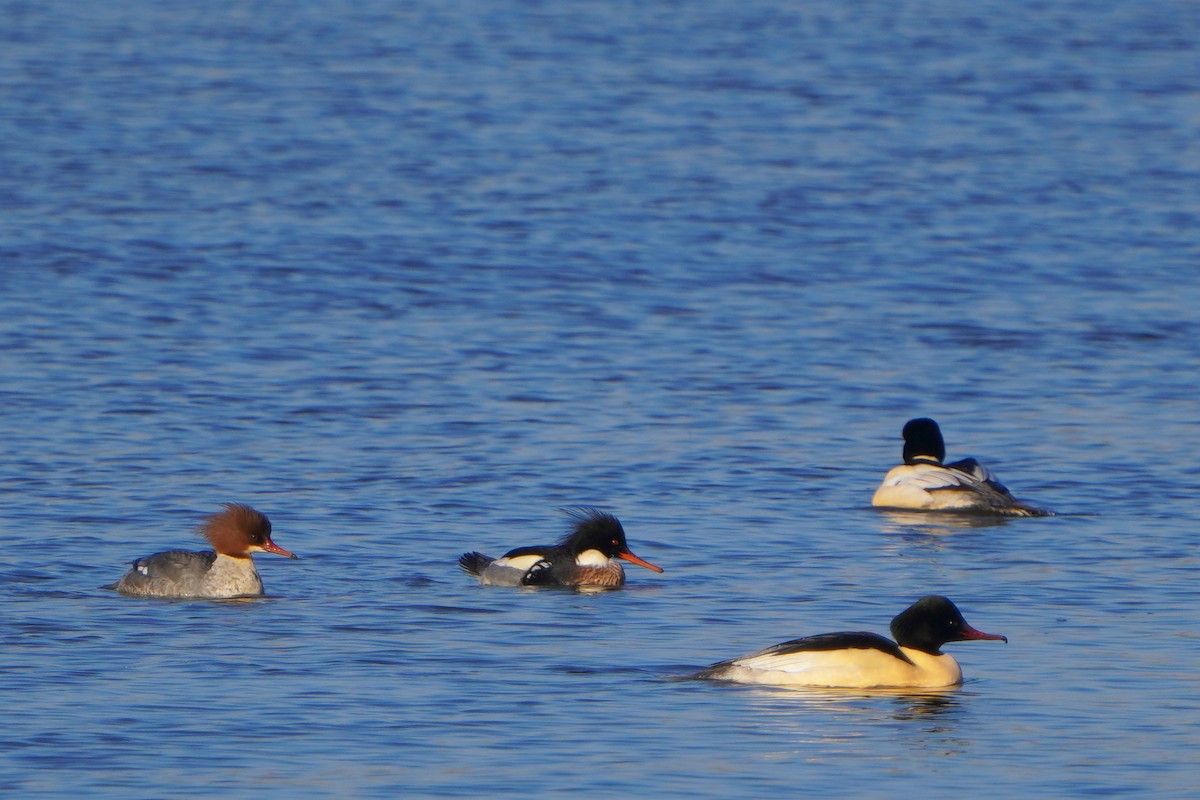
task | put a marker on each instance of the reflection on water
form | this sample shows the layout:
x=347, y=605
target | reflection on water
x=936, y=523
x=922, y=717
x=912, y=702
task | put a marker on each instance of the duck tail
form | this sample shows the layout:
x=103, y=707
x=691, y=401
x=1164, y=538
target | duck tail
x=474, y=563
x=1020, y=509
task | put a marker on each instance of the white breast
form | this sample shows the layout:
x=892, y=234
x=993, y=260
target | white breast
x=232, y=577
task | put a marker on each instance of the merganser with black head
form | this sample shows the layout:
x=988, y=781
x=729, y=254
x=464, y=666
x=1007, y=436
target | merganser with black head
x=586, y=557
x=860, y=660
x=923, y=482
x=225, y=571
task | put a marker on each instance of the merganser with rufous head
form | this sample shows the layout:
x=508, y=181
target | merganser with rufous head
x=225, y=571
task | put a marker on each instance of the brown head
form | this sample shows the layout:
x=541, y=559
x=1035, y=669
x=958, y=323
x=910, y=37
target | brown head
x=239, y=531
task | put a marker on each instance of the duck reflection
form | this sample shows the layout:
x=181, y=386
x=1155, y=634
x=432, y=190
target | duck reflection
x=935, y=523
x=930, y=716
x=905, y=703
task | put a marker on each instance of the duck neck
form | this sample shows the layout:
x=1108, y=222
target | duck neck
x=592, y=558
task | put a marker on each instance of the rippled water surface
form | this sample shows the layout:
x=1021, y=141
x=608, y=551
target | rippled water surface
x=410, y=276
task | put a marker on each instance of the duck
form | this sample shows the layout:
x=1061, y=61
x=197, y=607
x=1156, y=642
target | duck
x=226, y=571
x=586, y=557
x=923, y=482
x=862, y=660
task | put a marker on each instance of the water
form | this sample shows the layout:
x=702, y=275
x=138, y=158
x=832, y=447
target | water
x=408, y=277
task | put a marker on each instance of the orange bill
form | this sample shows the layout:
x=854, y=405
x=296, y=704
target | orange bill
x=966, y=633
x=271, y=547
x=631, y=558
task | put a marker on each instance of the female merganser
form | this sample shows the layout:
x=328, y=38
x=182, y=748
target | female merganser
x=585, y=557
x=924, y=482
x=864, y=660
x=225, y=571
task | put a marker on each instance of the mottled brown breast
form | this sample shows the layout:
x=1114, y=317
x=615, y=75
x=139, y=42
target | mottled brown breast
x=609, y=575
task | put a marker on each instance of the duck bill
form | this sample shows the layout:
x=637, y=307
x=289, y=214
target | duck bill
x=967, y=633
x=271, y=547
x=632, y=559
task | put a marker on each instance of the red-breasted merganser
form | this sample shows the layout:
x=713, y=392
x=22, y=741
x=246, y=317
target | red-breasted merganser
x=923, y=482
x=859, y=660
x=225, y=571
x=585, y=557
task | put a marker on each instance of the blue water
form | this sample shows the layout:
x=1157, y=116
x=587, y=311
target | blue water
x=408, y=277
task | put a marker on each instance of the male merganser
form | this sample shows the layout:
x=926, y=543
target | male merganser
x=585, y=557
x=861, y=660
x=225, y=571
x=924, y=482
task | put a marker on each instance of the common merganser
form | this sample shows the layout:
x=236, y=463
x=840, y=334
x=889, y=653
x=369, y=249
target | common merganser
x=924, y=482
x=585, y=557
x=225, y=571
x=859, y=660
